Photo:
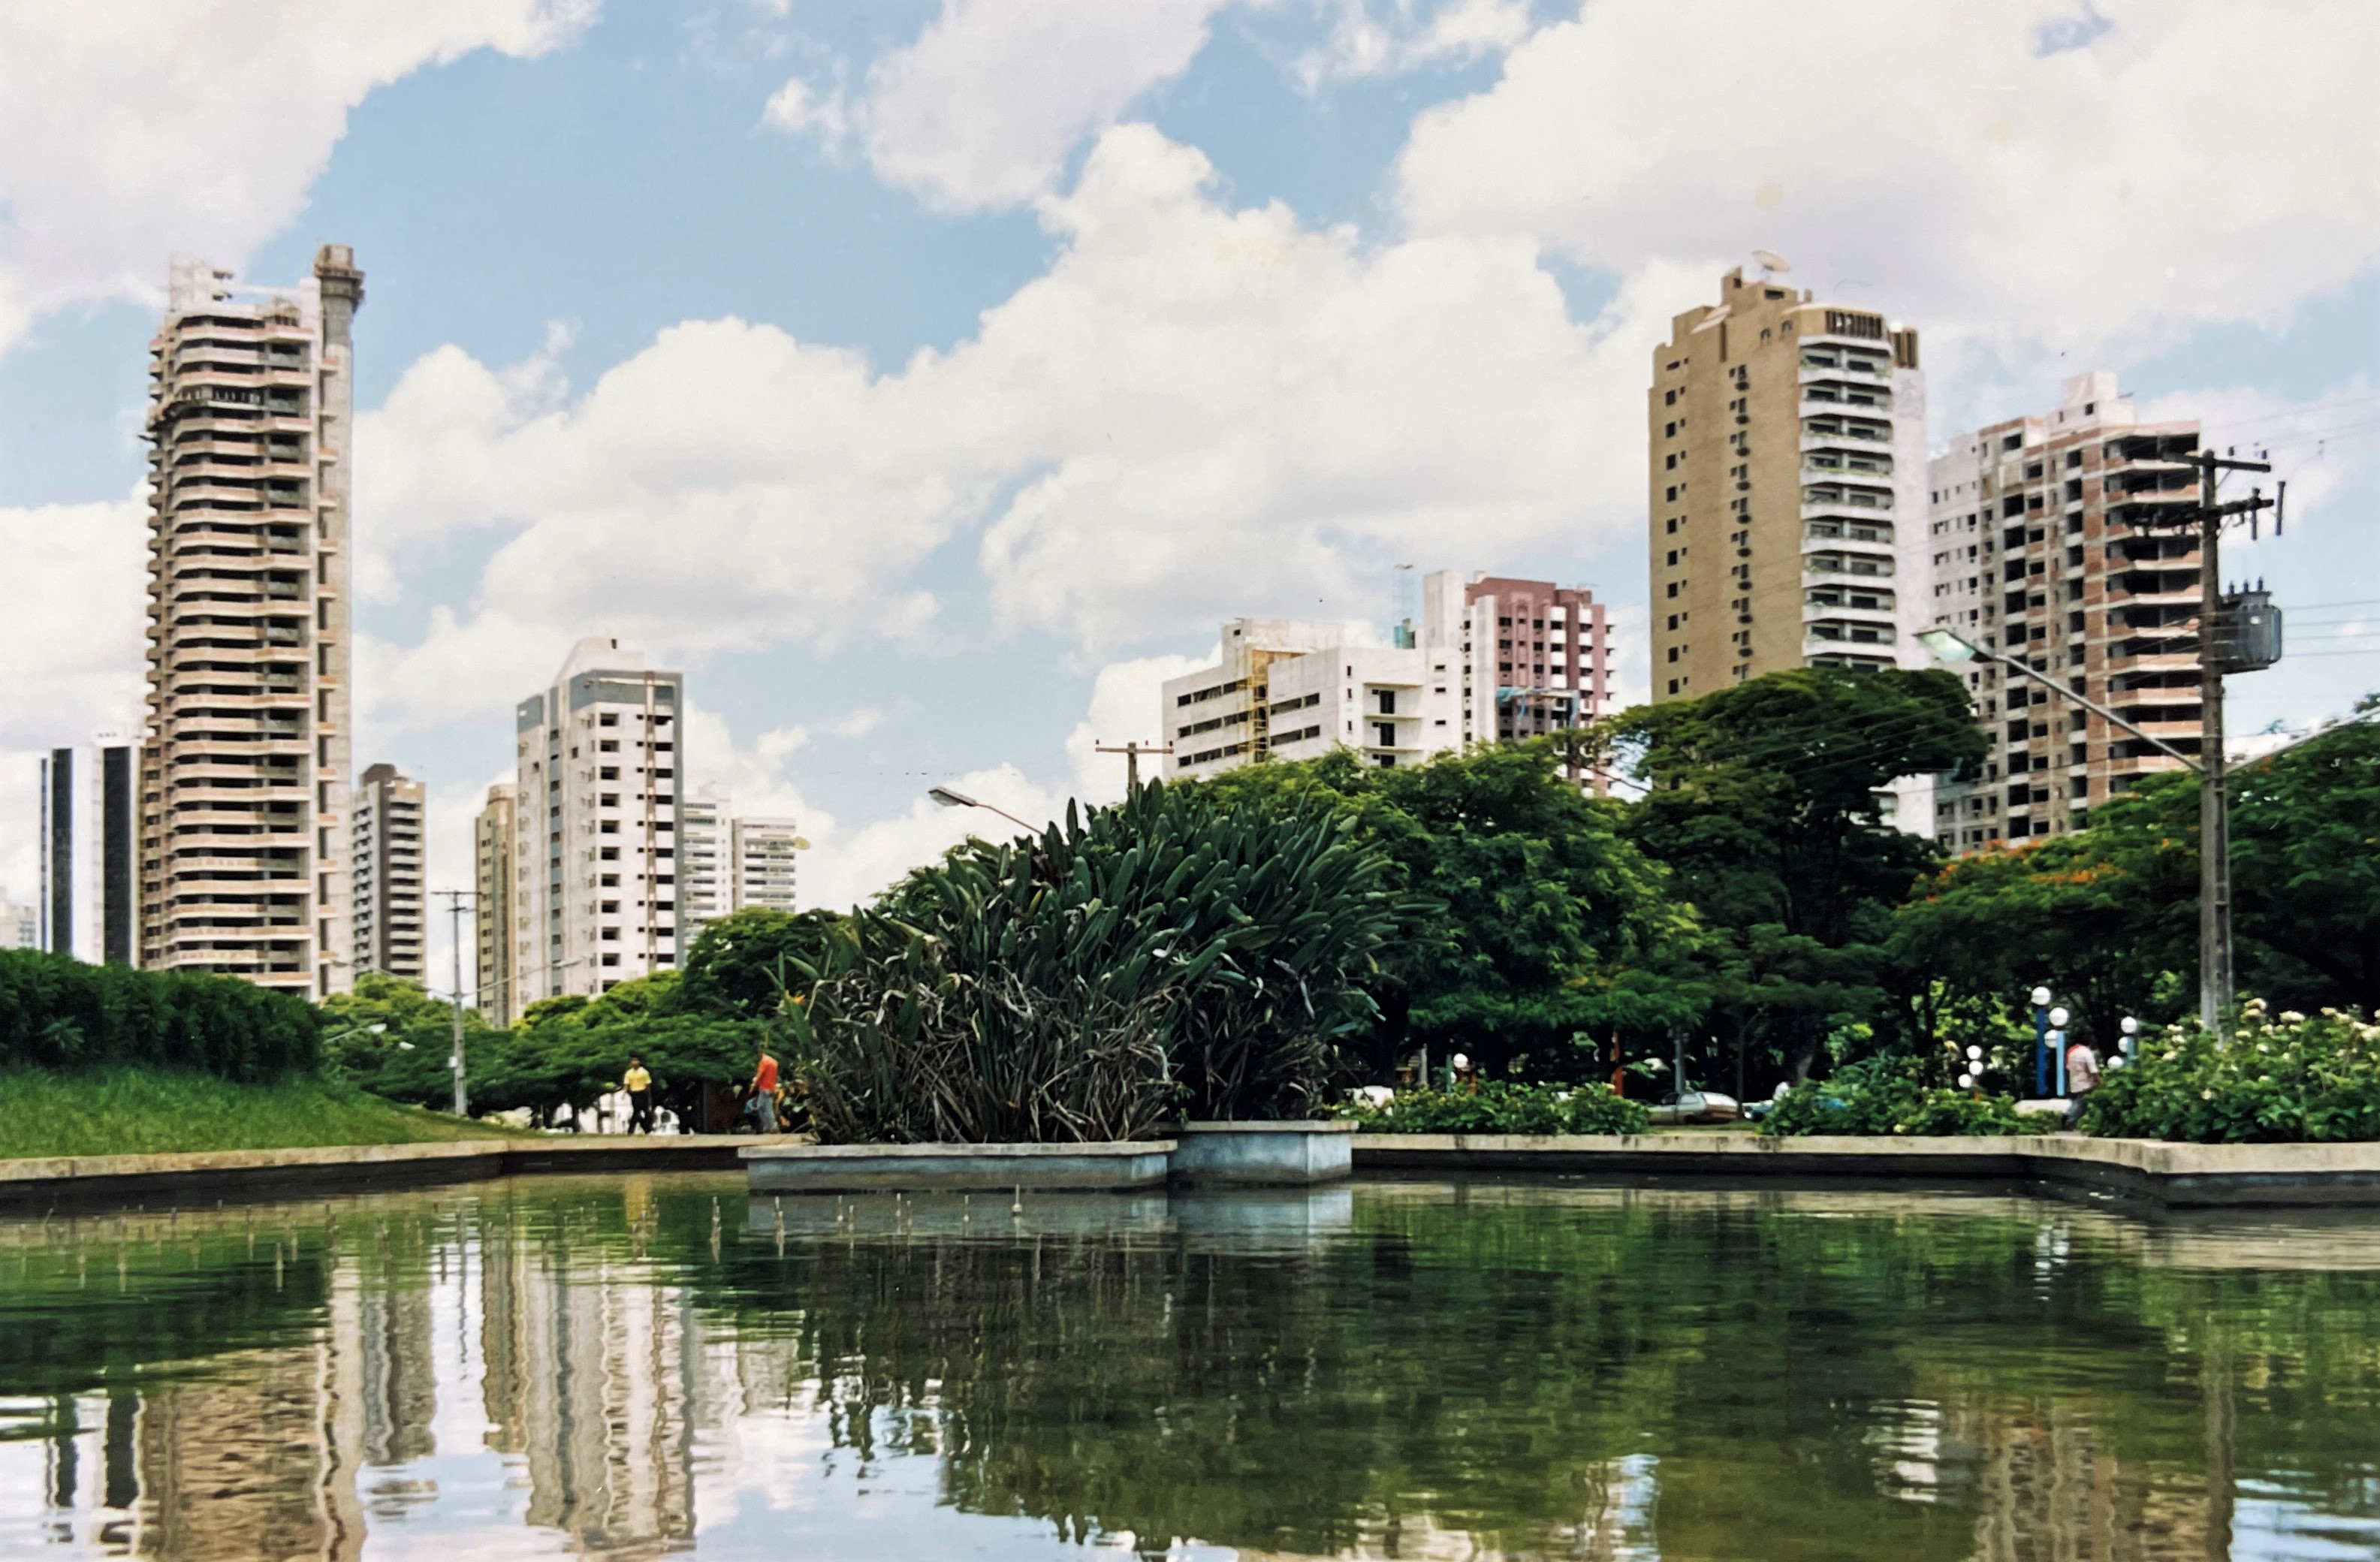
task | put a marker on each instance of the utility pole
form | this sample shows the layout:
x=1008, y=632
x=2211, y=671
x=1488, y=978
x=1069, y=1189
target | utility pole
x=455, y=930
x=1132, y=753
x=2215, y=651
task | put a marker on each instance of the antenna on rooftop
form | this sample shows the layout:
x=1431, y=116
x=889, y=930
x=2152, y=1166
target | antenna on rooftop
x=1771, y=263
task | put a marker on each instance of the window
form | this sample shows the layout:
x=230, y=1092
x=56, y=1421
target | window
x=1669, y=398
x=607, y=721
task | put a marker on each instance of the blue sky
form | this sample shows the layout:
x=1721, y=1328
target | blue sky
x=927, y=378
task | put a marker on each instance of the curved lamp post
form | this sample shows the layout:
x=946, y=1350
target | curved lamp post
x=951, y=797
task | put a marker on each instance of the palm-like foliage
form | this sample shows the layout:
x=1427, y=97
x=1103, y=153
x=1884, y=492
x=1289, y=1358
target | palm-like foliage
x=1163, y=958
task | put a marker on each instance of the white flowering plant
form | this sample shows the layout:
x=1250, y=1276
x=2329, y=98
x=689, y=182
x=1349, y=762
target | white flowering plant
x=2264, y=1078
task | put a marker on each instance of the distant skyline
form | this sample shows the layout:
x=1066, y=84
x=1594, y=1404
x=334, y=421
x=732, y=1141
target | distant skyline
x=927, y=380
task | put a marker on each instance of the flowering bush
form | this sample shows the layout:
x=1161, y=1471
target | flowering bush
x=2264, y=1078
x=1503, y=1109
x=1888, y=1095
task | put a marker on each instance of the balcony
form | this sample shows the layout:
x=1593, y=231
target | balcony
x=1820, y=400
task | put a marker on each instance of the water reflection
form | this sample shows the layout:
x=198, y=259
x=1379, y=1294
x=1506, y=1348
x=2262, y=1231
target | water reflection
x=1406, y=1370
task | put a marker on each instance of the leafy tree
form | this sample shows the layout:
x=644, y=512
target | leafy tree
x=741, y=964
x=1765, y=806
x=58, y=1013
x=1546, y=924
x=2305, y=868
x=391, y=1037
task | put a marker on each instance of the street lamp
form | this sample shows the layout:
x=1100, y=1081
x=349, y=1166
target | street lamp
x=2214, y=834
x=2041, y=1041
x=951, y=797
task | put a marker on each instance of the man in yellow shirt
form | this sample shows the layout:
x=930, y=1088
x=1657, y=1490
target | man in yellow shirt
x=639, y=1086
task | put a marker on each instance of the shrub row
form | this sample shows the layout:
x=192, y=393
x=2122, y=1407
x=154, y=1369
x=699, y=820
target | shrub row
x=1503, y=1109
x=57, y=1012
x=1885, y=1096
x=2264, y=1078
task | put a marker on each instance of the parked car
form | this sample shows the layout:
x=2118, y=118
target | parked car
x=1697, y=1105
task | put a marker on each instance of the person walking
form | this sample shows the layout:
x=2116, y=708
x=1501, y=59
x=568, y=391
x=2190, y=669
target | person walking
x=639, y=1086
x=2081, y=1077
x=764, y=1093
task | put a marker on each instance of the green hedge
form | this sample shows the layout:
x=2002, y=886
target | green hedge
x=1504, y=1109
x=1885, y=1096
x=2262, y=1079
x=58, y=1012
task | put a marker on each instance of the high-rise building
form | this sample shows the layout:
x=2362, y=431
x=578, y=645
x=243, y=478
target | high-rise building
x=702, y=889
x=1787, y=485
x=1534, y=656
x=1297, y=690
x=242, y=788
x=87, y=902
x=2053, y=540
x=761, y=853
x=491, y=914
x=20, y=927
x=390, y=905
x=597, y=825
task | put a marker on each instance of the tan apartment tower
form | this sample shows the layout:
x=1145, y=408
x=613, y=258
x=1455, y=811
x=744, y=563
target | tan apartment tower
x=391, y=905
x=243, y=790
x=597, y=826
x=2054, y=539
x=494, y=877
x=1788, y=483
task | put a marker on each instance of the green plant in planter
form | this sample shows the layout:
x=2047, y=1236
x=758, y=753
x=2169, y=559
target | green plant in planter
x=1173, y=956
x=2264, y=1078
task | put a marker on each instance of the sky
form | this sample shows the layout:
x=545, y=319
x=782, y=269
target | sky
x=927, y=380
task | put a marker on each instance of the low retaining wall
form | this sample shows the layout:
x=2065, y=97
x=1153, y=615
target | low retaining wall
x=829, y=1168
x=223, y=1173
x=2181, y=1176
x=2177, y=1175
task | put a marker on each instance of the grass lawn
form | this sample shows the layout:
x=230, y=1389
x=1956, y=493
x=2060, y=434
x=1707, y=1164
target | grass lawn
x=129, y=1113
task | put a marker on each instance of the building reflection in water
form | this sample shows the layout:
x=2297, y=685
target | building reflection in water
x=524, y=1361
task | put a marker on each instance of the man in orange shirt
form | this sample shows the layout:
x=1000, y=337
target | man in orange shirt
x=764, y=1093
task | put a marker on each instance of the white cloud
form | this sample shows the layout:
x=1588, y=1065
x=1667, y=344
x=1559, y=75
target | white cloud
x=140, y=128
x=71, y=640
x=1363, y=44
x=1195, y=413
x=983, y=109
x=1942, y=161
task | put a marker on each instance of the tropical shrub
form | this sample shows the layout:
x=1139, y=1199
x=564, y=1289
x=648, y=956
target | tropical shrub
x=2264, y=1078
x=57, y=1012
x=1165, y=958
x=1888, y=1095
x=1504, y=1107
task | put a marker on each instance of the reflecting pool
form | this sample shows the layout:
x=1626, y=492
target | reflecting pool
x=1494, y=1368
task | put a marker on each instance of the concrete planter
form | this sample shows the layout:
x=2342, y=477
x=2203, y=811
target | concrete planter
x=1263, y=1153
x=818, y=1168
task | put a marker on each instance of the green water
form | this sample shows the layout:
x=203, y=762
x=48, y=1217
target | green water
x=1415, y=1370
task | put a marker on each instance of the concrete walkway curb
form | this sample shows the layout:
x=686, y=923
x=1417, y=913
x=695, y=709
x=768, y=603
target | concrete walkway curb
x=212, y=1173
x=2175, y=1175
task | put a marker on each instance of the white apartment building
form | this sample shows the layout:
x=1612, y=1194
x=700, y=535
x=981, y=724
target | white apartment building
x=1297, y=689
x=2052, y=540
x=493, y=835
x=598, y=820
x=20, y=927
x=242, y=791
x=390, y=904
x=702, y=888
x=760, y=852
x=88, y=901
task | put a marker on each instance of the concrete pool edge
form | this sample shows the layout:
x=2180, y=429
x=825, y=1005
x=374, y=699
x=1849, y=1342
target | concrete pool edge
x=2181, y=1176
